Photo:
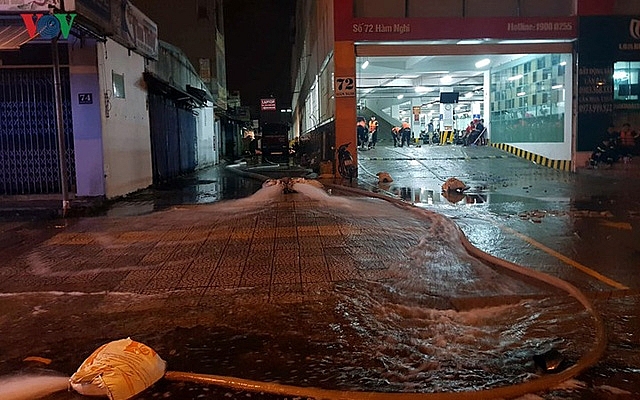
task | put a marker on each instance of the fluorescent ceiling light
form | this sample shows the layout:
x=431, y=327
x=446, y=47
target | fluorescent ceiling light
x=469, y=41
x=531, y=41
x=563, y=63
x=365, y=64
x=556, y=87
x=422, y=89
x=400, y=97
x=483, y=63
x=514, y=78
x=446, y=79
x=520, y=94
x=468, y=94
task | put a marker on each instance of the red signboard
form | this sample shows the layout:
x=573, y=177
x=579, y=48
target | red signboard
x=349, y=28
x=384, y=29
x=268, y=105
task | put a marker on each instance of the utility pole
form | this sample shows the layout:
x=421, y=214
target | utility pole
x=62, y=151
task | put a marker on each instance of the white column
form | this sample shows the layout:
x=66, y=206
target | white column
x=395, y=111
x=487, y=103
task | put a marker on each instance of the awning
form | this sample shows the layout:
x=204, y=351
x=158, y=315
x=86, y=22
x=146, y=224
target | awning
x=181, y=97
x=13, y=36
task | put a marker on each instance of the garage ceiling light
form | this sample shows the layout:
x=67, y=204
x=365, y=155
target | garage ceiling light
x=469, y=41
x=514, y=78
x=483, y=63
x=446, y=79
x=365, y=64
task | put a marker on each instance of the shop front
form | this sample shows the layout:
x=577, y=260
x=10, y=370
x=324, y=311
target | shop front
x=515, y=73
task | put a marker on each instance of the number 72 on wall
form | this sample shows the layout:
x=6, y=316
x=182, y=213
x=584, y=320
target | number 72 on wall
x=345, y=86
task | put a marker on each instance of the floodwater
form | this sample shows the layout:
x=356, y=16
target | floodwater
x=203, y=187
x=26, y=387
x=419, y=327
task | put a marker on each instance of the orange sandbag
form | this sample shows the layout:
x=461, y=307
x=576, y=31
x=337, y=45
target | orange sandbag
x=119, y=370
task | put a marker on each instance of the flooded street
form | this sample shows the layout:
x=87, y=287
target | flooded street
x=332, y=291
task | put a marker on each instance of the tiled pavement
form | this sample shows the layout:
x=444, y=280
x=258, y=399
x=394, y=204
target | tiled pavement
x=282, y=249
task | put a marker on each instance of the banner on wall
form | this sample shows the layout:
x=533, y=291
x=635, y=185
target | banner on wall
x=598, y=53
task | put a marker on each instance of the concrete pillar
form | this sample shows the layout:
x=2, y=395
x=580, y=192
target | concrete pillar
x=345, y=69
x=395, y=111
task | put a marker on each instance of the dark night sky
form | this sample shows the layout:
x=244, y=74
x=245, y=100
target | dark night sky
x=258, y=50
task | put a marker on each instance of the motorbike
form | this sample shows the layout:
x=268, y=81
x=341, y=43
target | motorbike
x=346, y=166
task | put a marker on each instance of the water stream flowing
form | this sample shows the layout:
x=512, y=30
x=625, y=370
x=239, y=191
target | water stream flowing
x=418, y=315
x=31, y=387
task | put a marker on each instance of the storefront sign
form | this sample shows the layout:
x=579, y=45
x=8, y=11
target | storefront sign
x=375, y=29
x=141, y=31
x=633, y=44
x=21, y=6
x=268, y=105
x=595, y=90
x=205, y=69
x=350, y=28
x=48, y=26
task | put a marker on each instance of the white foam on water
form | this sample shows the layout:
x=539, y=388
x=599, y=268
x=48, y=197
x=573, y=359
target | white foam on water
x=318, y=194
x=31, y=387
x=250, y=203
x=479, y=348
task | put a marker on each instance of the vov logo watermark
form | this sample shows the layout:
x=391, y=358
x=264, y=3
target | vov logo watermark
x=634, y=28
x=48, y=26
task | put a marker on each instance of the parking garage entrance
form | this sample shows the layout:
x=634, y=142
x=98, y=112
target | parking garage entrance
x=522, y=92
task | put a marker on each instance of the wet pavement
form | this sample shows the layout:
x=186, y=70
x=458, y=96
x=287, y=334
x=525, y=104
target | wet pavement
x=345, y=291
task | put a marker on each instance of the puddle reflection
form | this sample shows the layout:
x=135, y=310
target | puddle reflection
x=429, y=197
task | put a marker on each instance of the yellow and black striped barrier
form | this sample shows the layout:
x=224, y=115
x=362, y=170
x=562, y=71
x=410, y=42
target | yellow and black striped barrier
x=563, y=165
x=446, y=137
